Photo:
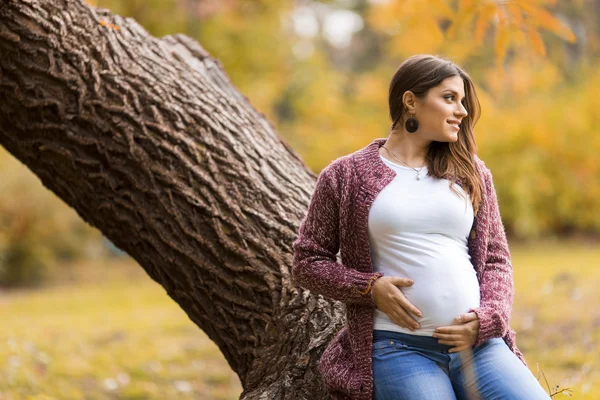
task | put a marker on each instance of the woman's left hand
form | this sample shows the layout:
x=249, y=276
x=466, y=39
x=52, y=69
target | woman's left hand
x=462, y=334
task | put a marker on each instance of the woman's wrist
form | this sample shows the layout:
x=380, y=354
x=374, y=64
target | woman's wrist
x=378, y=275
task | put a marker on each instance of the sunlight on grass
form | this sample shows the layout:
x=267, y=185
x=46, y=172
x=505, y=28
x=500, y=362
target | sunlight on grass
x=116, y=339
x=119, y=336
x=556, y=315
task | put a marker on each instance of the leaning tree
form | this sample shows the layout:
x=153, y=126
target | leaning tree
x=148, y=140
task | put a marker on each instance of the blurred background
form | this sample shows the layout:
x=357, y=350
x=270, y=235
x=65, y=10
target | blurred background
x=80, y=320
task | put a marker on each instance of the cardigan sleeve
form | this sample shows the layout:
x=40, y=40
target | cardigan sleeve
x=496, y=285
x=314, y=265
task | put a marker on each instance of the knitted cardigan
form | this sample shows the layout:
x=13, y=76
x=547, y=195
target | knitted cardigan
x=336, y=220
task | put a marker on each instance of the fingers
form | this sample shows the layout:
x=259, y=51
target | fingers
x=398, y=307
x=453, y=340
x=398, y=281
x=466, y=328
x=448, y=337
x=465, y=318
x=472, y=316
x=404, y=308
x=459, y=340
x=407, y=305
x=402, y=318
x=455, y=344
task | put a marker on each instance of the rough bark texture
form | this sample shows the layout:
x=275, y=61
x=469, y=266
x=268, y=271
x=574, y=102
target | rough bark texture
x=148, y=141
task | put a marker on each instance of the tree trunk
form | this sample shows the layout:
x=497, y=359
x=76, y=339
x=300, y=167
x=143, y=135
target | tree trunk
x=149, y=142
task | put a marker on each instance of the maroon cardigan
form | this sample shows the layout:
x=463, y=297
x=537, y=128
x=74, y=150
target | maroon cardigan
x=337, y=220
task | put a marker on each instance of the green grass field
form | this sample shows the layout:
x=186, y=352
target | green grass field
x=110, y=332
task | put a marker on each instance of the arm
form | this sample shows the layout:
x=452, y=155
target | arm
x=496, y=285
x=315, y=266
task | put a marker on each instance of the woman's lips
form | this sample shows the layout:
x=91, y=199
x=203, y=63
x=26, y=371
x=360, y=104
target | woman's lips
x=454, y=126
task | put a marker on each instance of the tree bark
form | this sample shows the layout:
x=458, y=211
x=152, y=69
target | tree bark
x=148, y=140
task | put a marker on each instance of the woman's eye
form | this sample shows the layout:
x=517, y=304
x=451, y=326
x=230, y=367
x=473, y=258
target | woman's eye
x=451, y=96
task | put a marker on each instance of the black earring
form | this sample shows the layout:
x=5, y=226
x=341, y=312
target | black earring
x=412, y=124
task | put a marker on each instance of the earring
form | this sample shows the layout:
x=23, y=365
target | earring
x=412, y=124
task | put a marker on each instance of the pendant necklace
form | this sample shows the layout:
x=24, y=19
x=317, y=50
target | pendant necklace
x=418, y=170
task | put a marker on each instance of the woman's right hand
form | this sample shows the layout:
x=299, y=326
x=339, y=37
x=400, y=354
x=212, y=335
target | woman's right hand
x=389, y=298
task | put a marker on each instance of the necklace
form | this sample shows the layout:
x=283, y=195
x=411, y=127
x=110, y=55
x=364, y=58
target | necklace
x=418, y=170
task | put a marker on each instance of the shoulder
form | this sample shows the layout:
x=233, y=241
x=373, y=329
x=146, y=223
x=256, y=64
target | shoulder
x=337, y=177
x=338, y=168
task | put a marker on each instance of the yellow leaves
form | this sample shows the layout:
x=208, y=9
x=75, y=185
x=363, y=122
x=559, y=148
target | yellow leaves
x=536, y=41
x=538, y=16
x=494, y=79
x=415, y=26
x=501, y=42
x=487, y=14
x=462, y=18
x=372, y=89
x=513, y=20
x=464, y=4
x=515, y=14
x=386, y=17
x=423, y=35
x=522, y=76
x=527, y=17
x=554, y=142
x=439, y=8
x=395, y=18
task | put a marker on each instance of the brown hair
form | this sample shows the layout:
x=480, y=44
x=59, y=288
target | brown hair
x=451, y=160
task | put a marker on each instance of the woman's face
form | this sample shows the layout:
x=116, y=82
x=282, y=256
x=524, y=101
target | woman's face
x=441, y=111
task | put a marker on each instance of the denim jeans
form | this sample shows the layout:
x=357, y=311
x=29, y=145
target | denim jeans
x=418, y=367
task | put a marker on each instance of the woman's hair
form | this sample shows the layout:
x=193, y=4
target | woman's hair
x=451, y=160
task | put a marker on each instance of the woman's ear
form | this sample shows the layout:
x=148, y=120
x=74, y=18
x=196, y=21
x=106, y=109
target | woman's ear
x=409, y=101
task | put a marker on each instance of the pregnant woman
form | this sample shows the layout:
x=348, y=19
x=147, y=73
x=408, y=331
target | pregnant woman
x=425, y=268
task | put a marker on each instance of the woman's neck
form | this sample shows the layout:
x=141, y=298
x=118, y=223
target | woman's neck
x=404, y=150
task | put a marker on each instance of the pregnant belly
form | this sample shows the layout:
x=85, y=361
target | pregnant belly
x=440, y=297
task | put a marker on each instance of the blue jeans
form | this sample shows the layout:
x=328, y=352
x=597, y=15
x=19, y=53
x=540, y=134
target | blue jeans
x=418, y=367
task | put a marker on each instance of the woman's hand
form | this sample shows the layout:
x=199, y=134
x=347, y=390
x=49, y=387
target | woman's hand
x=462, y=333
x=390, y=299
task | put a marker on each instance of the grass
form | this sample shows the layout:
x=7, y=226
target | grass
x=556, y=313
x=118, y=337
x=107, y=331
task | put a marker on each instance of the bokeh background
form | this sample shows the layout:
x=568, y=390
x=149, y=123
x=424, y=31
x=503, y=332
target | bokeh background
x=80, y=320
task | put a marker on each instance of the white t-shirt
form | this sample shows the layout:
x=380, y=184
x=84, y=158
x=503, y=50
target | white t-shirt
x=418, y=229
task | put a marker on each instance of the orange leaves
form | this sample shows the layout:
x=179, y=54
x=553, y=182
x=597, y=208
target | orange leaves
x=515, y=15
x=462, y=18
x=501, y=42
x=412, y=25
x=539, y=17
x=510, y=17
x=422, y=35
x=417, y=26
x=487, y=14
x=536, y=41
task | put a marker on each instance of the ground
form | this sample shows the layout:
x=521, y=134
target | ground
x=107, y=331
